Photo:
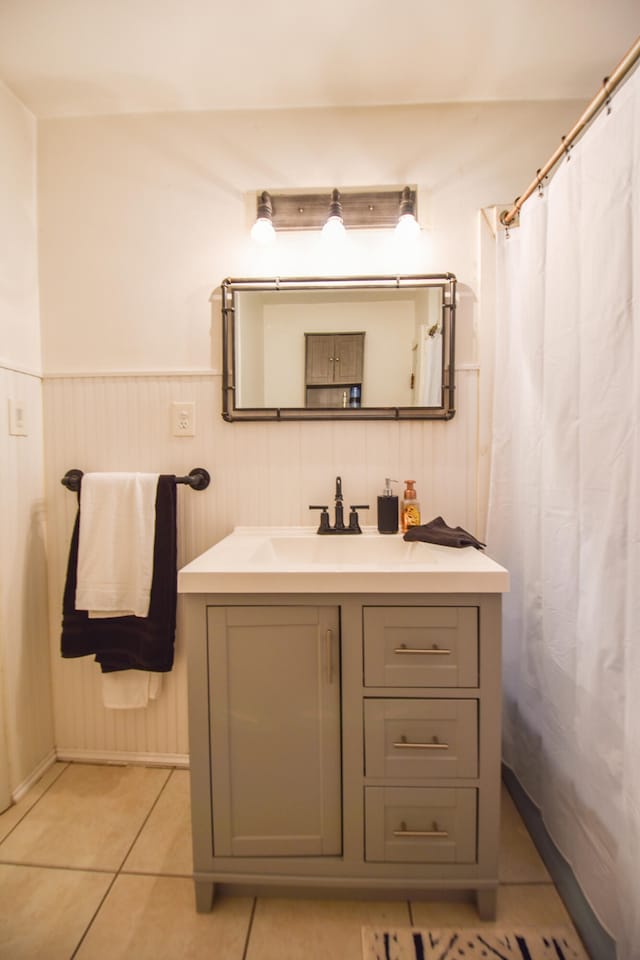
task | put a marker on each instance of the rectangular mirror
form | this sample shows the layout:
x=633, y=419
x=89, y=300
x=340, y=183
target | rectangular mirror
x=374, y=348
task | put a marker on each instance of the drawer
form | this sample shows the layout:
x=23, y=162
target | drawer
x=420, y=825
x=421, y=738
x=420, y=646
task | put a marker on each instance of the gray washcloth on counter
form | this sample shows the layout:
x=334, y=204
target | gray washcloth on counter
x=437, y=531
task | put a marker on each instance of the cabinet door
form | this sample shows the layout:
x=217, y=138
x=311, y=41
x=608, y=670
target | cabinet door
x=334, y=358
x=319, y=358
x=348, y=353
x=275, y=730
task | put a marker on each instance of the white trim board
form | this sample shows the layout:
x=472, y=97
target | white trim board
x=124, y=758
x=33, y=777
x=131, y=374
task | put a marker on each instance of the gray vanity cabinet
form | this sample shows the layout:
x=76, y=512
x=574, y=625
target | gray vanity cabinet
x=345, y=742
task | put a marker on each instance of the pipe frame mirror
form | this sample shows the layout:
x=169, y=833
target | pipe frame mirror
x=232, y=291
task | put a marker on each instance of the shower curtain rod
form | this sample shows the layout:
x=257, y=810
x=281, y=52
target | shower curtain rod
x=608, y=86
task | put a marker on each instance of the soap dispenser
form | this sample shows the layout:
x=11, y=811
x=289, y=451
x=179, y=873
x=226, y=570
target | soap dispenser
x=410, y=507
x=388, y=509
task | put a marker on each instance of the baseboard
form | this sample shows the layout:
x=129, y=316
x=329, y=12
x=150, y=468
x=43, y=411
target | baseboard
x=123, y=758
x=595, y=938
x=33, y=777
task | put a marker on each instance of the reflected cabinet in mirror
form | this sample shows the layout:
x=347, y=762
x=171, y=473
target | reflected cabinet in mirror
x=340, y=348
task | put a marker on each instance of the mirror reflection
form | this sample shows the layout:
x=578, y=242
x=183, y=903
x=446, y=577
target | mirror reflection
x=375, y=347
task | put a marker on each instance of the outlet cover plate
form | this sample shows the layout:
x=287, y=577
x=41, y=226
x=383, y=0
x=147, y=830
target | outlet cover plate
x=183, y=418
x=17, y=418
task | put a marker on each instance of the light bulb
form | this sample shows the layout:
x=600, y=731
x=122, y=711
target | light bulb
x=407, y=227
x=262, y=231
x=334, y=230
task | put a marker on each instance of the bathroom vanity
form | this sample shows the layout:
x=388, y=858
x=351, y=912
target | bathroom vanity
x=344, y=715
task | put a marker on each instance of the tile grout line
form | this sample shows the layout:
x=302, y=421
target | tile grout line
x=55, y=866
x=145, y=821
x=93, y=917
x=119, y=870
x=249, y=928
x=35, y=803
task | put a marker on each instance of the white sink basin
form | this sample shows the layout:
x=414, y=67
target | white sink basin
x=342, y=549
x=298, y=560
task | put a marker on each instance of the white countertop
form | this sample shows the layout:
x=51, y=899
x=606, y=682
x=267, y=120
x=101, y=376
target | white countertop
x=298, y=560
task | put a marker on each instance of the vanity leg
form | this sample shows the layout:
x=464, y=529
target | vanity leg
x=487, y=902
x=205, y=893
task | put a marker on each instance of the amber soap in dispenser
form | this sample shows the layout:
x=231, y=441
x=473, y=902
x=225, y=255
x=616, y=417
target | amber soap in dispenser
x=410, y=507
x=388, y=509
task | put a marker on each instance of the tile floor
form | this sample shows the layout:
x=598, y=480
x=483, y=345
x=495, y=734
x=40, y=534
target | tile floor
x=95, y=863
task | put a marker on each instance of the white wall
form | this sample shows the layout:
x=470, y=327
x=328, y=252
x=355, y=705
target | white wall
x=140, y=218
x=19, y=318
x=26, y=726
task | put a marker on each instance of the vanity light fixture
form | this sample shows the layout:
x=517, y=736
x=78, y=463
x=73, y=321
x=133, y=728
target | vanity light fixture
x=334, y=211
x=407, y=225
x=262, y=231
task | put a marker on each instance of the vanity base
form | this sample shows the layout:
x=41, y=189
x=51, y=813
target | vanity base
x=487, y=903
x=384, y=776
x=485, y=897
x=205, y=892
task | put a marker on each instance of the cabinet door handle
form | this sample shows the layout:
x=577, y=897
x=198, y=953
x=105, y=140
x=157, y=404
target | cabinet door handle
x=434, y=832
x=435, y=650
x=329, y=656
x=404, y=744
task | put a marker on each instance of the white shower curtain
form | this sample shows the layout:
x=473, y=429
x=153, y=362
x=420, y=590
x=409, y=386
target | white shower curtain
x=430, y=370
x=564, y=512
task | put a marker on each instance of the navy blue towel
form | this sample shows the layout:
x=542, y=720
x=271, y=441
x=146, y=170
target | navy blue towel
x=130, y=643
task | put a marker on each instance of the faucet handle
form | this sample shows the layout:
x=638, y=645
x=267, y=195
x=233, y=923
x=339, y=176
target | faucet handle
x=354, y=523
x=324, y=516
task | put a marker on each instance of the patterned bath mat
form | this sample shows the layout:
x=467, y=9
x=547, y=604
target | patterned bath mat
x=478, y=944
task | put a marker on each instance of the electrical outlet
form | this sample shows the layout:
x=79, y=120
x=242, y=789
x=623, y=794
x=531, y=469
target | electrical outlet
x=17, y=418
x=183, y=418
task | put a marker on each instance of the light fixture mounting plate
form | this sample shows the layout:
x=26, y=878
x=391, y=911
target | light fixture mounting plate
x=360, y=209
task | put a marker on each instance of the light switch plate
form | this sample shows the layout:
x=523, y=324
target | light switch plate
x=17, y=418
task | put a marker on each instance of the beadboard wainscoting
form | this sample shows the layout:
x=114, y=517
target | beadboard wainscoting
x=266, y=473
x=25, y=695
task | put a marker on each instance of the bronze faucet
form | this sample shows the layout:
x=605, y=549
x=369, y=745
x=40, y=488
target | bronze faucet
x=339, y=527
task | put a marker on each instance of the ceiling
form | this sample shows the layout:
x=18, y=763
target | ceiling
x=87, y=57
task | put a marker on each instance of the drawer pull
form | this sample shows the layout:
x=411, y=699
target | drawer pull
x=434, y=650
x=434, y=832
x=404, y=744
x=329, y=655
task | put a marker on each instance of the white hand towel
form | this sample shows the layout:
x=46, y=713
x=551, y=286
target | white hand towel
x=115, y=545
x=130, y=689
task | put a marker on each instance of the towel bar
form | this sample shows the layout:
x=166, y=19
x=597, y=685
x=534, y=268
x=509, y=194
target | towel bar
x=197, y=479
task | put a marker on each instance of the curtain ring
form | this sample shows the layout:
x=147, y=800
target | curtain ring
x=540, y=190
x=567, y=147
x=505, y=223
x=608, y=100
